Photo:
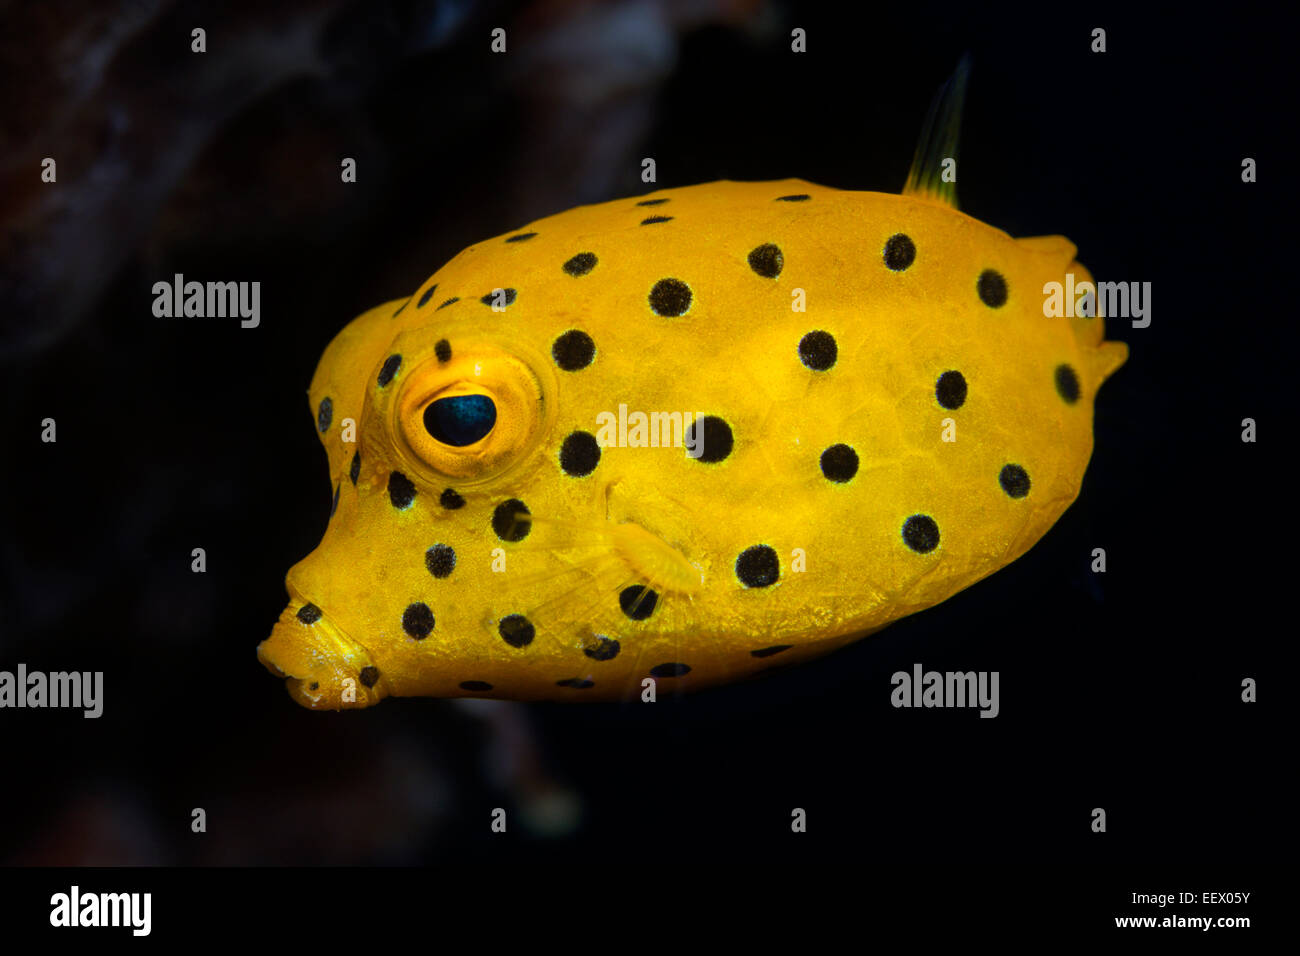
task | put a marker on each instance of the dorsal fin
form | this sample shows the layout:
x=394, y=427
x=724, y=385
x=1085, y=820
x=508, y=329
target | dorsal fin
x=938, y=141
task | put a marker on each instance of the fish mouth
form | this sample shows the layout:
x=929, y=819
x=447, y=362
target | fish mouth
x=323, y=668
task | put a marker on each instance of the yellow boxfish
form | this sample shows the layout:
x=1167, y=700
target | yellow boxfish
x=684, y=437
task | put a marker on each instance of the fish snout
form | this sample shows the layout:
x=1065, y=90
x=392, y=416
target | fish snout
x=324, y=669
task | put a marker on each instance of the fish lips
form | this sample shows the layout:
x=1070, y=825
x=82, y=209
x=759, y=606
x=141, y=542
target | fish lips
x=324, y=669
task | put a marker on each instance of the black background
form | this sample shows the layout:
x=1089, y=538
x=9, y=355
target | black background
x=1119, y=691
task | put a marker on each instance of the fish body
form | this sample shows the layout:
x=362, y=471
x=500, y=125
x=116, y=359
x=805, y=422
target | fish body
x=876, y=413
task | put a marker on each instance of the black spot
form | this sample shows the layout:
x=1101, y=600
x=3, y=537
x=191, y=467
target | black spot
x=839, y=463
x=454, y=298
x=475, y=685
x=520, y=237
x=758, y=567
x=1014, y=481
x=315, y=685
x=798, y=197
x=769, y=651
x=670, y=297
x=635, y=606
x=605, y=648
x=391, y=365
x=401, y=491
x=767, y=260
x=580, y=264
x=1067, y=384
x=818, y=350
x=718, y=440
x=516, y=630
x=369, y=676
x=335, y=506
x=950, y=390
x=652, y=202
x=670, y=670
x=451, y=500
x=650, y=221
x=442, y=350
x=992, y=288
x=579, y=683
x=921, y=534
x=900, y=252
x=309, y=614
x=325, y=415
x=573, y=350
x=401, y=307
x=504, y=523
x=355, y=471
x=428, y=294
x=440, y=560
x=507, y=295
x=579, y=454
x=417, y=620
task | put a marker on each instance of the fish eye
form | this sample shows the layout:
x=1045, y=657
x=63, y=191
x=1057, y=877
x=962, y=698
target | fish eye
x=470, y=417
x=461, y=419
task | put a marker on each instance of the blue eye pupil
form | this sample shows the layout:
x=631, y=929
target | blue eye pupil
x=461, y=419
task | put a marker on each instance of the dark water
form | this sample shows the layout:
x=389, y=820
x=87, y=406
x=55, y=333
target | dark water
x=1119, y=691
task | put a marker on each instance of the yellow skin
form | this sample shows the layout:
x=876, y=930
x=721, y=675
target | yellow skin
x=654, y=516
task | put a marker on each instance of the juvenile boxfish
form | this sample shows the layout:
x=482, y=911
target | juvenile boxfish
x=685, y=437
